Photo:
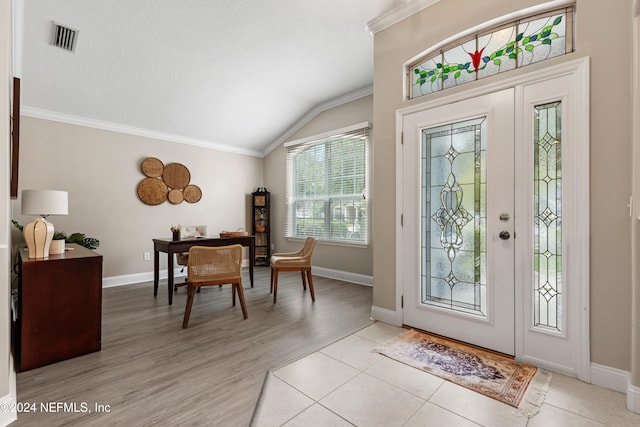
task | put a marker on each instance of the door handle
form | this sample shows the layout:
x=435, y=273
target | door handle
x=504, y=235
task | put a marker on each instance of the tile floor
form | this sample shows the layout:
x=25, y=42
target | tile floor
x=347, y=384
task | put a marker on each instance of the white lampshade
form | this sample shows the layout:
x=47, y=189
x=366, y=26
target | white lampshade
x=45, y=202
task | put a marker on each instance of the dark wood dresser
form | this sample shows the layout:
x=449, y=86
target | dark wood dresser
x=59, y=307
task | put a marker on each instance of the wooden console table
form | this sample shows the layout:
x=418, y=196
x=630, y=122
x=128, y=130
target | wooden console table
x=172, y=247
x=59, y=307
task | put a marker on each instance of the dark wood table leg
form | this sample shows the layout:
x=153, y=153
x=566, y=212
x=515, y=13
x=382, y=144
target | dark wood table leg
x=252, y=250
x=156, y=269
x=170, y=276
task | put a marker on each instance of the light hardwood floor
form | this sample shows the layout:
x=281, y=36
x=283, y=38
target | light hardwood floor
x=152, y=372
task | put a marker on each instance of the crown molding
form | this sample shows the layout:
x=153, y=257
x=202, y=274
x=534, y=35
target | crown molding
x=398, y=14
x=131, y=130
x=335, y=102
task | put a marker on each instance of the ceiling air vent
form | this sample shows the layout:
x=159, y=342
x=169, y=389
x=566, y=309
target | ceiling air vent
x=64, y=37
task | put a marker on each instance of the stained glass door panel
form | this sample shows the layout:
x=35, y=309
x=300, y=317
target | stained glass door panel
x=454, y=216
x=461, y=159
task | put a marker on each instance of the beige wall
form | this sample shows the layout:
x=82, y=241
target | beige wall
x=101, y=170
x=342, y=258
x=603, y=33
x=7, y=377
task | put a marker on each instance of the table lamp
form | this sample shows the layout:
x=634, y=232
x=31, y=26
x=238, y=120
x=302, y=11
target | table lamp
x=39, y=233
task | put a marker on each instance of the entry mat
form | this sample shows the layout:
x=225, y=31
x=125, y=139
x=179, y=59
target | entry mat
x=493, y=374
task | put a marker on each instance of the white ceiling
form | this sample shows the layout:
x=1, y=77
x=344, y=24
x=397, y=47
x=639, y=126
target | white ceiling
x=226, y=73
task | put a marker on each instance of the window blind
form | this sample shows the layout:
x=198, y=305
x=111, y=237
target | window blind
x=327, y=186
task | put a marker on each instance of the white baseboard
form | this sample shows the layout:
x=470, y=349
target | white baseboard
x=128, y=279
x=611, y=378
x=386, y=316
x=8, y=416
x=360, y=279
x=633, y=399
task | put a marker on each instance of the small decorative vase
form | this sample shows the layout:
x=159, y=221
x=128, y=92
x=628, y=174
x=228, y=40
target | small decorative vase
x=176, y=235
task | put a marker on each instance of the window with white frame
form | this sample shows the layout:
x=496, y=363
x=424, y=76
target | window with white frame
x=327, y=184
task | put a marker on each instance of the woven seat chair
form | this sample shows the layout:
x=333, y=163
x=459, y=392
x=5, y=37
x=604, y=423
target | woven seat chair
x=208, y=266
x=182, y=258
x=294, y=261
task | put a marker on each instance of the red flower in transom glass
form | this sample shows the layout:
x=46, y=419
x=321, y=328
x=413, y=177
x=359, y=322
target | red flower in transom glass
x=475, y=59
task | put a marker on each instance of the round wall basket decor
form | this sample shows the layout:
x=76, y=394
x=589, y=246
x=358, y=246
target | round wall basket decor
x=192, y=193
x=175, y=196
x=152, y=167
x=170, y=182
x=176, y=175
x=152, y=191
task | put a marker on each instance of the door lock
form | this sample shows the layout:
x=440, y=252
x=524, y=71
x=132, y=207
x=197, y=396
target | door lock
x=504, y=235
x=504, y=217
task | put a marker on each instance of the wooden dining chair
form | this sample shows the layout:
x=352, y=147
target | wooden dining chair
x=209, y=266
x=182, y=258
x=294, y=261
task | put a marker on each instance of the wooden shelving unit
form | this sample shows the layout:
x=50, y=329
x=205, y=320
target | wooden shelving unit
x=261, y=225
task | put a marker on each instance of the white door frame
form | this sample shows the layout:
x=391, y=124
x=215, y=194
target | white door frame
x=576, y=235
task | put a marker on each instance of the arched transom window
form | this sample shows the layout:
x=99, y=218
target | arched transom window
x=510, y=45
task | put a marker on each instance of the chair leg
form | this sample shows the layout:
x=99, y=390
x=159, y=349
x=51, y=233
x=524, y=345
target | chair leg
x=313, y=295
x=234, y=289
x=187, y=309
x=243, y=304
x=304, y=281
x=271, y=283
x=275, y=284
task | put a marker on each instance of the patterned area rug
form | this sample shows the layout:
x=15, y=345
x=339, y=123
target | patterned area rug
x=492, y=374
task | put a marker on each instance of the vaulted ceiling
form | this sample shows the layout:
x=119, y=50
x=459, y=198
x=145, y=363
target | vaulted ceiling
x=235, y=74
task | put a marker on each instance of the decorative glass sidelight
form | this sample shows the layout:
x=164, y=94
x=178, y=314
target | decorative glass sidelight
x=453, y=216
x=512, y=45
x=547, y=253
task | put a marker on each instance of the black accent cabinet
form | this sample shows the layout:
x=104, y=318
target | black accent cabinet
x=261, y=225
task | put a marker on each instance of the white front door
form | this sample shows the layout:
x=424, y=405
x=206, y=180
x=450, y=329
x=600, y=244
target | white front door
x=458, y=234
x=493, y=237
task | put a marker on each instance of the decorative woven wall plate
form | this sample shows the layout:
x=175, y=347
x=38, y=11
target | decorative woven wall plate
x=192, y=193
x=152, y=167
x=175, y=196
x=176, y=175
x=152, y=191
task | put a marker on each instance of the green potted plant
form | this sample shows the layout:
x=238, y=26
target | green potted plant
x=57, y=244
